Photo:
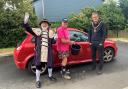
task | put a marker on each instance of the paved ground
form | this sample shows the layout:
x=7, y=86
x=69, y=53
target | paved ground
x=119, y=39
x=115, y=75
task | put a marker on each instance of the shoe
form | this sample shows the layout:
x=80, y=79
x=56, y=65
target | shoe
x=99, y=72
x=68, y=72
x=66, y=76
x=93, y=68
x=52, y=78
x=62, y=72
x=38, y=84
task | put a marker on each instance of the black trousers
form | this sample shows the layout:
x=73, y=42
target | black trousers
x=95, y=47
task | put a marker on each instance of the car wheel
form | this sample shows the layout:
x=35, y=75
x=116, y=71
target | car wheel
x=108, y=54
x=32, y=67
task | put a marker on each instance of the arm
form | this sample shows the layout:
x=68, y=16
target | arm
x=103, y=33
x=89, y=35
x=65, y=41
x=28, y=29
x=26, y=25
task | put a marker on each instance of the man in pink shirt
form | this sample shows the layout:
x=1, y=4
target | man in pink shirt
x=63, y=44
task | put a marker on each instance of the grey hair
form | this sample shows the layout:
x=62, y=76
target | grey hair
x=95, y=13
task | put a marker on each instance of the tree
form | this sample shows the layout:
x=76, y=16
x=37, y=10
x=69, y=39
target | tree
x=124, y=7
x=11, y=19
x=112, y=15
x=81, y=20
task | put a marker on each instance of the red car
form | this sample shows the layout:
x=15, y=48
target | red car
x=24, y=53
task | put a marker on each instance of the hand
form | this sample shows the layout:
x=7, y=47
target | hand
x=90, y=43
x=26, y=17
x=72, y=42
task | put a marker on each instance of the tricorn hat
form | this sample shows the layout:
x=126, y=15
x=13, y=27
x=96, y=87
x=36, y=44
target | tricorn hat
x=44, y=20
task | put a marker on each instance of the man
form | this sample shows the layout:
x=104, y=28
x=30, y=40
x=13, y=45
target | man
x=63, y=43
x=43, y=47
x=97, y=34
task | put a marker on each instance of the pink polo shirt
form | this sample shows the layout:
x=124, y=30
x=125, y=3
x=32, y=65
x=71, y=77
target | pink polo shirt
x=62, y=32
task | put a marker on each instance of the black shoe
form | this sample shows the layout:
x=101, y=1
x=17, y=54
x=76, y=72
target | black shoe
x=38, y=84
x=68, y=72
x=93, y=68
x=52, y=78
x=99, y=72
x=62, y=72
x=67, y=76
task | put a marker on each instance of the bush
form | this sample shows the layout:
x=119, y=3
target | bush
x=82, y=20
x=55, y=24
x=124, y=7
x=110, y=13
x=11, y=20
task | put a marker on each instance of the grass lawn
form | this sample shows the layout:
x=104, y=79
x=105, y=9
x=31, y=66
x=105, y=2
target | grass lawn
x=6, y=50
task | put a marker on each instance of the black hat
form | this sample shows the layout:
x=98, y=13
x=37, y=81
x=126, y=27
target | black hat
x=44, y=20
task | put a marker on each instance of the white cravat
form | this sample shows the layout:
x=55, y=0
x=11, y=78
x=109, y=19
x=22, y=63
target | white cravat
x=44, y=47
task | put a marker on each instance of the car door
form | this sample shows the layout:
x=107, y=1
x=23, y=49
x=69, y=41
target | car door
x=85, y=51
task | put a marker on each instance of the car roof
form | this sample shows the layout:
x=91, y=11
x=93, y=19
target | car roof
x=70, y=29
x=75, y=29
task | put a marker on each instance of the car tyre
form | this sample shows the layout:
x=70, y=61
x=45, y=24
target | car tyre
x=32, y=68
x=108, y=54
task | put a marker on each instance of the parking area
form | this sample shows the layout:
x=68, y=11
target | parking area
x=115, y=75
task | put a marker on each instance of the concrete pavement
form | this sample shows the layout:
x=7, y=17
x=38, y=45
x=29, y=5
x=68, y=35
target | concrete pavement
x=115, y=75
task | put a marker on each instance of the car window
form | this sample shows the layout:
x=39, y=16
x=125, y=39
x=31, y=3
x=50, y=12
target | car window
x=78, y=36
x=55, y=37
x=81, y=36
x=33, y=39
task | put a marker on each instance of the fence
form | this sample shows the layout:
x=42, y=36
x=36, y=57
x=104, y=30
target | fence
x=118, y=34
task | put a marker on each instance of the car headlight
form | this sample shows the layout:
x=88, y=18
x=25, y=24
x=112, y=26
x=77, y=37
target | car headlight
x=18, y=48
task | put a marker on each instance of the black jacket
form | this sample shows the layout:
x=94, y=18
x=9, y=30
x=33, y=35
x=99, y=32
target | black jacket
x=98, y=36
x=38, y=43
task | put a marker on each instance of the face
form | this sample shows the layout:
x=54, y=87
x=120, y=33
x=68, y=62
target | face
x=44, y=25
x=95, y=18
x=64, y=24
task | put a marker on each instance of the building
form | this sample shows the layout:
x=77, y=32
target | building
x=55, y=10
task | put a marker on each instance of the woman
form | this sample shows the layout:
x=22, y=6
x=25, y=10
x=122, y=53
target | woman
x=43, y=47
